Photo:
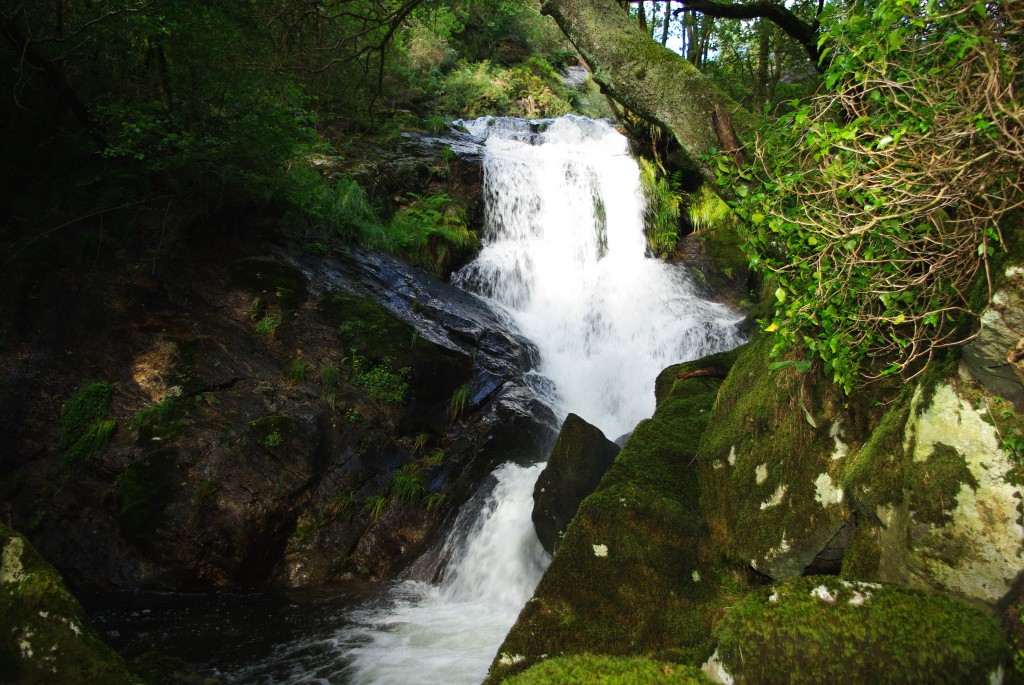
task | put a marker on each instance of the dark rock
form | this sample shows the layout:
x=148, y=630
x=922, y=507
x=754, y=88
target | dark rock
x=579, y=459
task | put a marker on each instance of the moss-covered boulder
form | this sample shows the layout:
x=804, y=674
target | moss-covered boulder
x=586, y=669
x=578, y=460
x=939, y=492
x=771, y=466
x=827, y=630
x=44, y=635
x=632, y=575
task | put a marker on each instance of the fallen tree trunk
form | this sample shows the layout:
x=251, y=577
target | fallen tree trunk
x=651, y=80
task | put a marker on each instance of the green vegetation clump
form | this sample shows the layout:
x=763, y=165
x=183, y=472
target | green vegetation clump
x=662, y=211
x=429, y=231
x=380, y=381
x=407, y=484
x=823, y=629
x=85, y=428
x=586, y=669
x=853, y=197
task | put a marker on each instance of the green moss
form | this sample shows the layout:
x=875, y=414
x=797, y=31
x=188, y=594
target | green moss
x=271, y=280
x=867, y=633
x=877, y=475
x=143, y=492
x=863, y=555
x=647, y=588
x=586, y=669
x=44, y=635
x=761, y=464
x=935, y=484
x=85, y=429
x=271, y=430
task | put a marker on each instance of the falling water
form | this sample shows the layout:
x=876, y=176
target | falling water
x=565, y=258
x=565, y=254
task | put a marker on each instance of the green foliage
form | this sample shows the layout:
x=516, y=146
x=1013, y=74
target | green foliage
x=857, y=632
x=407, y=484
x=532, y=91
x=336, y=207
x=267, y=325
x=383, y=384
x=354, y=416
x=374, y=507
x=429, y=231
x=586, y=669
x=85, y=429
x=875, y=207
x=458, y=402
x=273, y=440
x=435, y=458
x=330, y=375
x=156, y=413
x=662, y=211
x=435, y=501
x=298, y=370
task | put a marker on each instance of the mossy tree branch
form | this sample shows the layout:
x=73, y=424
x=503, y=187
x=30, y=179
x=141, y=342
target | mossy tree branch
x=647, y=78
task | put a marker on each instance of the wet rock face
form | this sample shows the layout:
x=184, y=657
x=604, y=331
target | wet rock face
x=275, y=417
x=579, y=459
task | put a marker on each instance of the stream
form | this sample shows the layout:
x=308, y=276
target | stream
x=564, y=258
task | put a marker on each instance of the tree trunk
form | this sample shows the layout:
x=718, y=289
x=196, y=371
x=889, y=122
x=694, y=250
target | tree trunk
x=650, y=80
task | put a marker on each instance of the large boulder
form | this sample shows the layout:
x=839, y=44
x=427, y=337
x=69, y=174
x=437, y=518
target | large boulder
x=939, y=493
x=633, y=574
x=996, y=357
x=579, y=459
x=771, y=466
x=44, y=634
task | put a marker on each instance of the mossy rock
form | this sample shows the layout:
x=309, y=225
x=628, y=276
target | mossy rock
x=771, y=465
x=826, y=630
x=587, y=669
x=938, y=496
x=44, y=635
x=632, y=575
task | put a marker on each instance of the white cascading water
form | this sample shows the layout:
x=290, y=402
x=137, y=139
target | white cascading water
x=565, y=259
x=565, y=255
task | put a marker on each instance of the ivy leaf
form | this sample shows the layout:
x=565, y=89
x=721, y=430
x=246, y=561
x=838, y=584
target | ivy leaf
x=780, y=295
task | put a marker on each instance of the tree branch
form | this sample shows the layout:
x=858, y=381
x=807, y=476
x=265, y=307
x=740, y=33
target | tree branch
x=799, y=30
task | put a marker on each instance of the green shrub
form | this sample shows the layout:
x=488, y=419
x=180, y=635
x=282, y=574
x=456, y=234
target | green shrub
x=374, y=507
x=662, y=211
x=298, y=370
x=338, y=207
x=267, y=325
x=458, y=402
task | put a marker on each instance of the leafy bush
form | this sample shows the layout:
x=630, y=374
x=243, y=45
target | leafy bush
x=876, y=207
x=335, y=207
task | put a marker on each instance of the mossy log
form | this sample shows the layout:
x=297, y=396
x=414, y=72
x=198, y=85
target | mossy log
x=650, y=80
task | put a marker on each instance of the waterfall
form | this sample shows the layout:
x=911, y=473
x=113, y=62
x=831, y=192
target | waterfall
x=564, y=257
